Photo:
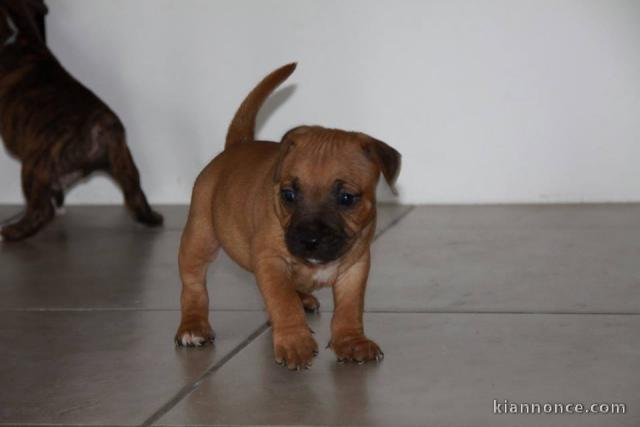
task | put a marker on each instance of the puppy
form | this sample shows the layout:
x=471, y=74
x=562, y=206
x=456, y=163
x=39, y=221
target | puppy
x=57, y=128
x=301, y=215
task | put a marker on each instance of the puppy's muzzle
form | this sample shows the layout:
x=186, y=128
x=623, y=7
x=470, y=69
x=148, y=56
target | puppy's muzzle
x=315, y=241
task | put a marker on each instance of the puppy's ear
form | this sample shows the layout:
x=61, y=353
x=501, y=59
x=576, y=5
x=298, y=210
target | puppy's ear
x=387, y=158
x=286, y=144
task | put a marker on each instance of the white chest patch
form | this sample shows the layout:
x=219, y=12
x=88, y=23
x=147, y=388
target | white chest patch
x=325, y=274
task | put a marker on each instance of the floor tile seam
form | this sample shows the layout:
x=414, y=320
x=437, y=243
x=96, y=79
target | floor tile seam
x=62, y=424
x=192, y=386
x=369, y=311
x=117, y=310
x=508, y=312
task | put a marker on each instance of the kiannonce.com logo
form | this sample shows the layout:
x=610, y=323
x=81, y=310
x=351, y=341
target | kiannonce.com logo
x=506, y=407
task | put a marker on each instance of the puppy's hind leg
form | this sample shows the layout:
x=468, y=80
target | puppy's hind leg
x=309, y=302
x=125, y=172
x=198, y=248
x=37, y=191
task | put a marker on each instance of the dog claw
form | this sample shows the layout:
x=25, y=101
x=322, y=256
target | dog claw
x=189, y=340
x=194, y=334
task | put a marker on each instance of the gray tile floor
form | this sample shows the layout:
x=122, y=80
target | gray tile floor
x=470, y=304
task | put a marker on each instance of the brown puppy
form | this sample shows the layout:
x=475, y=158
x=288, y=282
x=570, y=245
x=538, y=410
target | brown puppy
x=57, y=128
x=299, y=214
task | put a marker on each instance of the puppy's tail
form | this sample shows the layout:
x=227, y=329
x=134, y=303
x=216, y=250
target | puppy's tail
x=243, y=124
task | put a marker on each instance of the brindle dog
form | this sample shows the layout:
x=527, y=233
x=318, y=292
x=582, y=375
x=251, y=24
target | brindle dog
x=57, y=128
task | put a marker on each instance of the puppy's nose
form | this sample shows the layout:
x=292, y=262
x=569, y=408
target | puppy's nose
x=309, y=241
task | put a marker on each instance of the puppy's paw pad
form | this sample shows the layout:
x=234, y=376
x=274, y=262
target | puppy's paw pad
x=358, y=348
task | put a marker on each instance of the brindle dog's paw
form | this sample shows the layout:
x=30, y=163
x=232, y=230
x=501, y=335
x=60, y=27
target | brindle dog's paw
x=295, y=349
x=309, y=302
x=12, y=233
x=150, y=218
x=356, y=348
x=194, y=333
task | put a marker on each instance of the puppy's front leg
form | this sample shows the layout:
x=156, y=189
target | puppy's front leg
x=347, y=331
x=198, y=248
x=293, y=344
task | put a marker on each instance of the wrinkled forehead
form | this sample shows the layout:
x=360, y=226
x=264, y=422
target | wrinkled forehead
x=320, y=164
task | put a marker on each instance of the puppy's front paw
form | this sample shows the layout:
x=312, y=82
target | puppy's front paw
x=194, y=333
x=355, y=348
x=294, y=348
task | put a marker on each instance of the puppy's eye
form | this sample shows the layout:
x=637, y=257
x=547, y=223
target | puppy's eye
x=347, y=199
x=288, y=195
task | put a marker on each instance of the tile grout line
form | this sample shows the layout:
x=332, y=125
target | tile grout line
x=508, y=312
x=189, y=388
x=2, y=424
x=114, y=309
x=372, y=311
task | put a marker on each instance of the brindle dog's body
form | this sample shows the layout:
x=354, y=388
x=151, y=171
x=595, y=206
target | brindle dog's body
x=57, y=128
x=300, y=215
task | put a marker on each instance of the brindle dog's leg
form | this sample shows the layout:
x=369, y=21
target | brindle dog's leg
x=347, y=331
x=58, y=198
x=124, y=171
x=38, y=194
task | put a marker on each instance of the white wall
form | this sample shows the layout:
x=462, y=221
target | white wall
x=489, y=101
